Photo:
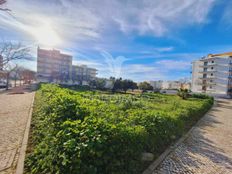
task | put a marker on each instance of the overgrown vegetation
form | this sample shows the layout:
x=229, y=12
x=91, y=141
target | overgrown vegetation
x=93, y=132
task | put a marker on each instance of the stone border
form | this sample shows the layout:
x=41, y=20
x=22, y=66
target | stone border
x=23, y=148
x=171, y=148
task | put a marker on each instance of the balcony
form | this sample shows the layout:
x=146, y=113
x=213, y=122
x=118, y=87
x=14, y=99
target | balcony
x=207, y=83
x=207, y=78
x=208, y=65
x=207, y=72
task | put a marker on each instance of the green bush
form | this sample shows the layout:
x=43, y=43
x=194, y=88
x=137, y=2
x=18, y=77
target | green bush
x=201, y=96
x=75, y=132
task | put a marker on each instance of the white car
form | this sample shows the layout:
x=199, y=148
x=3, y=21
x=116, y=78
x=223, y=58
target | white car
x=2, y=84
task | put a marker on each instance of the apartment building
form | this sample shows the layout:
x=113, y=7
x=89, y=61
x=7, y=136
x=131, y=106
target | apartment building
x=212, y=74
x=53, y=66
x=83, y=74
x=160, y=84
x=157, y=85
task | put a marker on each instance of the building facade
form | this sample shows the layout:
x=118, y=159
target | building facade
x=53, y=66
x=212, y=75
x=174, y=85
x=157, y=85
x=82, y=74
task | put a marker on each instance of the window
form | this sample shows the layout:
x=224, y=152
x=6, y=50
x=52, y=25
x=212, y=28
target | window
x=211, y=67
x=205, y=69
x=204, y=75
x=211, y=74
x=211, y=81
x=212, y=61
x=205, y=63
x=210, y=87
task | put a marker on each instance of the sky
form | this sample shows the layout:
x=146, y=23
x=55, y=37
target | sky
x=133, y=39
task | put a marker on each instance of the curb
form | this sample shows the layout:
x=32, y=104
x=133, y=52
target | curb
x=171, y=148
x=22, y=152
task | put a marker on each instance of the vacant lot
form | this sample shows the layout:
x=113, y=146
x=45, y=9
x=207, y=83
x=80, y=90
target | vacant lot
x=96, y=132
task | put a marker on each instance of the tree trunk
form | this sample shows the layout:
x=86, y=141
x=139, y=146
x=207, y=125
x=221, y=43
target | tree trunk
x=15, y=81
x=7, y=80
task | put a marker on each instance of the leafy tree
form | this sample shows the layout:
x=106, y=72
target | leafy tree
x=145, y=86
x=117, y=85
x=183, y=93
x=128, y=84
x=99, y=83
x=133, y=85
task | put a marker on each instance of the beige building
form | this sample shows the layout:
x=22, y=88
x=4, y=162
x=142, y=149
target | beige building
x=53, y=66
x=83, y=74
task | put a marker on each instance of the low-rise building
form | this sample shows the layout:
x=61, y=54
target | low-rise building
x=157, y=85
x=174, y=85
x=186, y=86
x=53, y=66
x=212, y=74
x=83, y=74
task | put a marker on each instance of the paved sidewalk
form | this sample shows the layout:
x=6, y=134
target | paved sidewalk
x=14, y=112
x=208, y=149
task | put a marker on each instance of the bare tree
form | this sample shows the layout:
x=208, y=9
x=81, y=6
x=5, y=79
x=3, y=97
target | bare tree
x=27, y=75
x=10, y=52
x=2, y=2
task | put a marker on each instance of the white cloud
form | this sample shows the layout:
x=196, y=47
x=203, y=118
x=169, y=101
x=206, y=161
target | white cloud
x=174, y=64
x=78, y=20
x=164, y=49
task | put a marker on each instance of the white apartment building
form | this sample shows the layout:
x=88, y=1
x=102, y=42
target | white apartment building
x=160, y=84
x=174, y=85
x=212, y=74
x=156, y=84
x=53, y=66
x=82, y=74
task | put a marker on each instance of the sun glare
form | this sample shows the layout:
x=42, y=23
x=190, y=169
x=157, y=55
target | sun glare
x=45, y=35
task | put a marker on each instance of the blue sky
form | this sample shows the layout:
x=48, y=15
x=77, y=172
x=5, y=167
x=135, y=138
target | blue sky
x=136, y=39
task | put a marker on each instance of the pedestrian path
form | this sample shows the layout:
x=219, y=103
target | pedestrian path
x=207, y=149
x=14, y=111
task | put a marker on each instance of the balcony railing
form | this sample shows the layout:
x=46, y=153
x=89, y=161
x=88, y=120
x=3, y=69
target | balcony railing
x=207, y=83
x=208, y=77
x=211, y=71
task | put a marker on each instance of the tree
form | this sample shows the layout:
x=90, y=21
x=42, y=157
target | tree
x=15, y=74
x=132, y=85
x=128, y=84
x=6, y=73
x=183, y=93
x=2, y=2
x=27, y=75
x=117, y=85
x=99, y=83
x=10, y=52
x=145, y=86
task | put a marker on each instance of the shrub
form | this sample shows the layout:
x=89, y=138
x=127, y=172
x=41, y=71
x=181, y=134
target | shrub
x=183, y=93
x=201, y=96
x=74, y=133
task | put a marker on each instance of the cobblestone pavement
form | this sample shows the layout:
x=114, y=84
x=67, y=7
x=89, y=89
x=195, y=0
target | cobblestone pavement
x=208, y=148
x=14, y=111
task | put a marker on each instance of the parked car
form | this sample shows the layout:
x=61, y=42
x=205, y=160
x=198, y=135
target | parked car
x=2, y=84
